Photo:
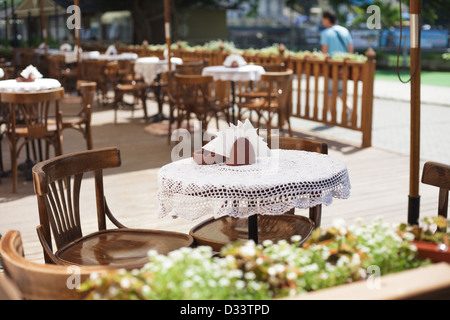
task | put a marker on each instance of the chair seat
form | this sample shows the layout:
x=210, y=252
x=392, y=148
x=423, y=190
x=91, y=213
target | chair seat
x=220, y=232
x=131, y=87
x=121, y=248
x=22, y=132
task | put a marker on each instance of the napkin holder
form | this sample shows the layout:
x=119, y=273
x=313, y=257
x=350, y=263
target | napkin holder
x=242, y=153
x=30, y=78
x=204, y=157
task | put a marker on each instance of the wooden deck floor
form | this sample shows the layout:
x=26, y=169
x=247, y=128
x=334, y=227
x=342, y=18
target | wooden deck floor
x=379, y=181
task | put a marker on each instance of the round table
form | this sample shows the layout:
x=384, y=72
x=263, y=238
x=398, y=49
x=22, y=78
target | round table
x=150, y=67
x=274, y=185
x=249, y=72
x=38, y=85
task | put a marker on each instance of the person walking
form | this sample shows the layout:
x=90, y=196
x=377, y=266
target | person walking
x=335, y=39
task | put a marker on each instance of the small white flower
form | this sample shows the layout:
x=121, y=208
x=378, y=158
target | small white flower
x=296, y=238
x=240, y=284
x=291, y=276
x=125, y=283
x=267, y=243
x=408, y=236
x=224, y=282
x=250, y=276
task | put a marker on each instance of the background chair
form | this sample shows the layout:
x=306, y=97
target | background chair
x=29, y=120
x=82, y=121
x=33, y=281
x=128, y=84
x=194, y=96
x=219, y=232
x=273, y=99
x=438, y=175
x=57, y=185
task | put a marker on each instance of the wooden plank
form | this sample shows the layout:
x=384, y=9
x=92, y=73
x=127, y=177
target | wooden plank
x=428, y=282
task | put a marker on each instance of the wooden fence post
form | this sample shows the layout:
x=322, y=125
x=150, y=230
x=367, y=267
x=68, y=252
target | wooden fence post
x=367, y=99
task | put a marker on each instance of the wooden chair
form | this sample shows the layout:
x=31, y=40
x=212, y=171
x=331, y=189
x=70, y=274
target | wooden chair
x=33, y=281
x=82, y=121
x=57, y=185
x=275, y=99
x=129, y=84
x=218, y=233
x=194, y=96
x=193, y=67
x=3, y=123
x=29, y=120
x=438, y=175
x=59, y=70
x=95, y=70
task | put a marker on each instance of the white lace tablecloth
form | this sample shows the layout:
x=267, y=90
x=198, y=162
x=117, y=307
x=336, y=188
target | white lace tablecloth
x=38, y=85
x=274, y=185
x=149, y=67
x=111, y=57
x=246, y=73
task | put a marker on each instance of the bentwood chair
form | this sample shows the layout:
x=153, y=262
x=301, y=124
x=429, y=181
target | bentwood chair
x=217, y=233
x=33, y=281
x=82, y=121
x=438, y=175
x=194, y=97
x=274, y=99
x=29, y=121
x=57, y=185
x=128, y=84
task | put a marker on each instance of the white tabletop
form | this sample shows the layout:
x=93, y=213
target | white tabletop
x=246, y=73
x=274, y=185
x=37, y=85
x=149, y=67
x=117, y=57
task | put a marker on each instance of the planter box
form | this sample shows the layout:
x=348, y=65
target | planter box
x=431, y=251
x=432, y=282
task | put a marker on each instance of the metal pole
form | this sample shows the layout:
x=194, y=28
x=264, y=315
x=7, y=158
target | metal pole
x=77, y=41
x=56, y=23
x=6, y=21
x=44, y=26
x=414, y=196
x=167, y=31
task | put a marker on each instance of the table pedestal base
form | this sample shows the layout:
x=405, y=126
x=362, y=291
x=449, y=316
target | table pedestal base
x=253, y=228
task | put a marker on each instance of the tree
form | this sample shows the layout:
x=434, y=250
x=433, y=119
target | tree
x=148, y=15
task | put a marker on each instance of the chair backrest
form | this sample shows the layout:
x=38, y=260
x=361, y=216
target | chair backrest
x=438, y=175
x=303, y=144
x=279, y=83
x=194, y=67
x=56, y=64
x=37, y=281
x=57, y=183
x=194, y=90
x=33, y=109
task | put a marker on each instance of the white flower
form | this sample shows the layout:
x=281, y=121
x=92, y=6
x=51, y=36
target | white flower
x=240, y=284
x=291, y=276
x=125, y=283
x=267, y=243
x=296, y=238
x=224, y=282
x=250, y=275
x=408, y=236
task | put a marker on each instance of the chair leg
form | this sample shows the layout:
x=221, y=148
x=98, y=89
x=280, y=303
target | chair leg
x=88, y=136
x=169, y=134
x=14, y=172
x=144, y=104
x=315, y=214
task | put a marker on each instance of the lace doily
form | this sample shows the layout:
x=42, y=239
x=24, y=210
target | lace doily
x=274, y=185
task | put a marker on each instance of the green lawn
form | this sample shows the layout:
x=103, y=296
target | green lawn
x=428, y=77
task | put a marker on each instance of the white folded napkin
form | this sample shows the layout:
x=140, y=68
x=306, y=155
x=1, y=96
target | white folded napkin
x=111, y=50
x=2, y=73
x=225, y=140
x=234, y=58
x=31, y=70
x=65, y=47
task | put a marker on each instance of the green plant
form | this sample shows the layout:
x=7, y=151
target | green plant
x=329, y=258
x=431, y=231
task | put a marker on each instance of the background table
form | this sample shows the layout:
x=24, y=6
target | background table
x=38, y=85
x=246, y=73
x=150, y=67
x=274, y=185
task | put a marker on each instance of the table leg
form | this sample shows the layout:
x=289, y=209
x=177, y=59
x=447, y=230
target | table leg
x=253, y=228
x=160, y=116
x=233, y=102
